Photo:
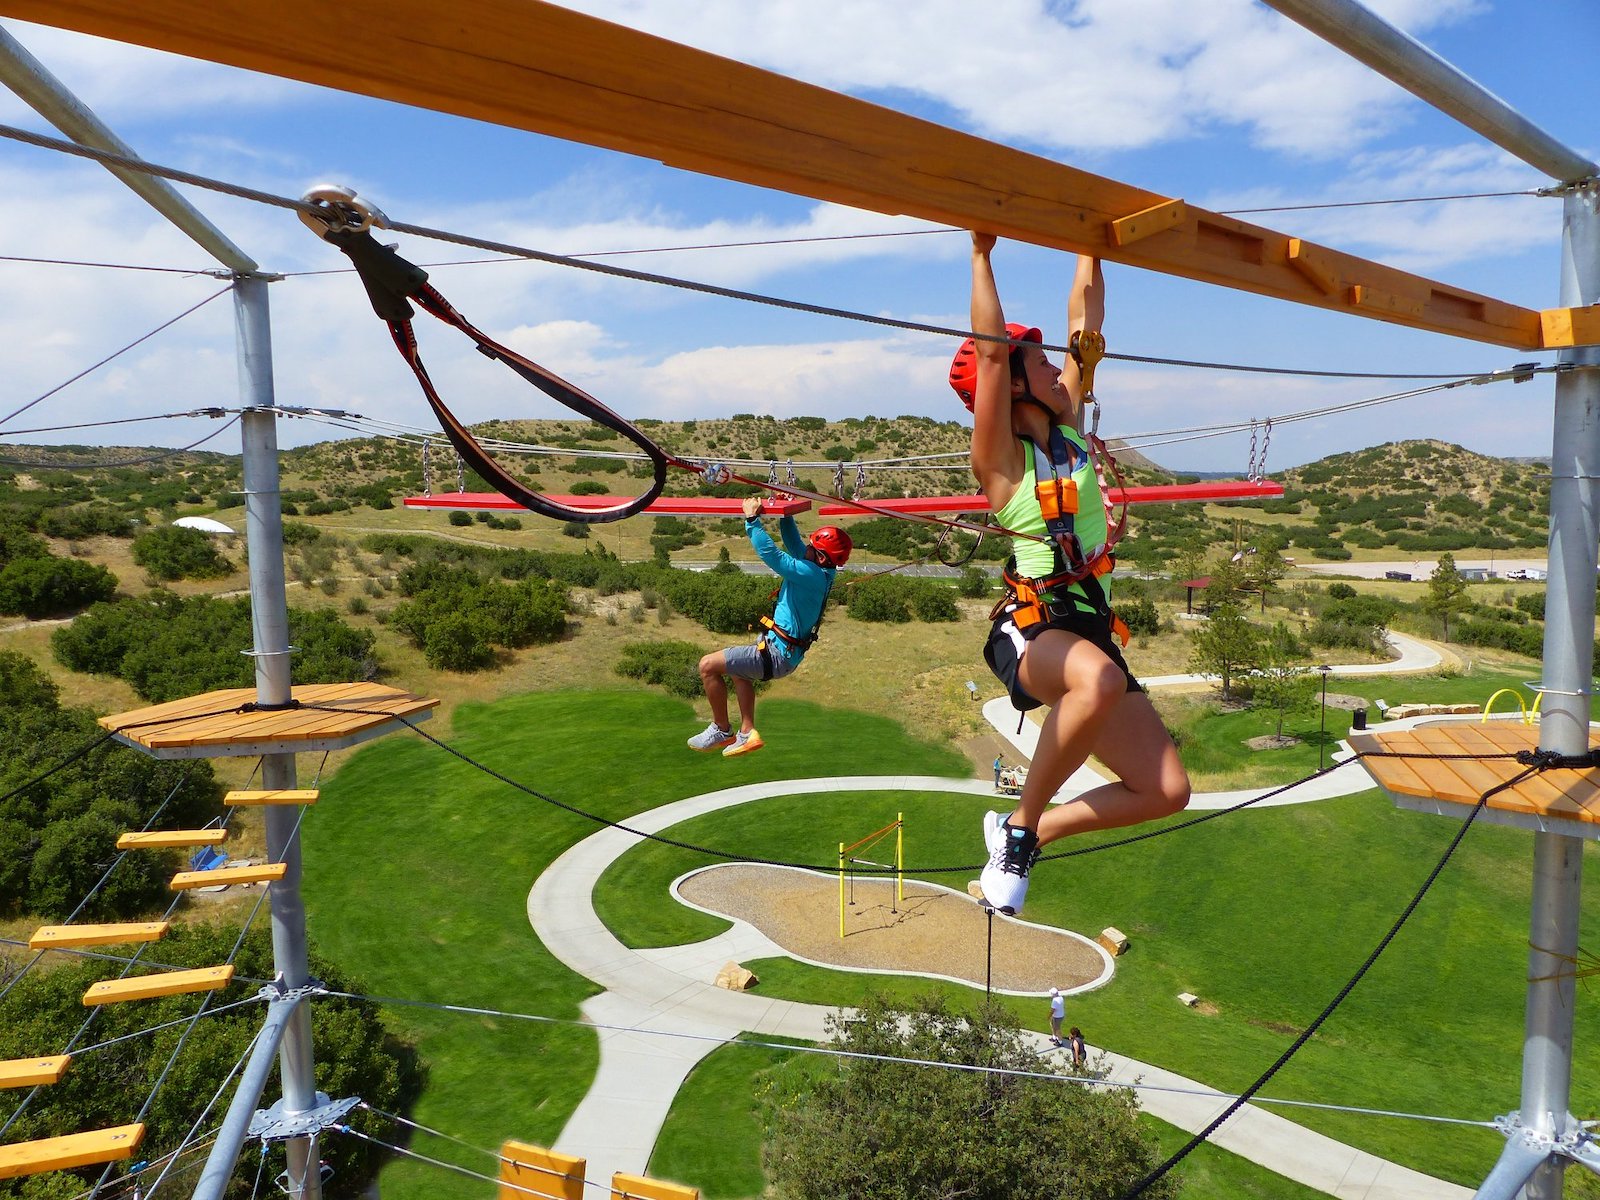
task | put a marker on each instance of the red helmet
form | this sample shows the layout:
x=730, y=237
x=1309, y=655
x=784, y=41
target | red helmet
x=833, y=544
x=964, y=367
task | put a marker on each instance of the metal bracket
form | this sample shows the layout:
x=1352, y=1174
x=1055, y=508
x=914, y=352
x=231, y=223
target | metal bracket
x=274, y=1125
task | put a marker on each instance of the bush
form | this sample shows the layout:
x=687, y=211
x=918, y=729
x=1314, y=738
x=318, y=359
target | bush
x=1532, y=605
x=974, y=583
x=44, y=587
x=459, y=518
x=673, y=665
x=1341, y=591
x=896, y=599
x=576, y=529
x=171, y=553
x=1140, y=616
x=590, y=487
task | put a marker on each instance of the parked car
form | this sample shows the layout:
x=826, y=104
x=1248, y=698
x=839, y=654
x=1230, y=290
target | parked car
x=1402, y=576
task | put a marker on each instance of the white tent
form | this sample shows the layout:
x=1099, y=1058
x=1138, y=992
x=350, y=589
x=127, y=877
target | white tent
x=203, y=524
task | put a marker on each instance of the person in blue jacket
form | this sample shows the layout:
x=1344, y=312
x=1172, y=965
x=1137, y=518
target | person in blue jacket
x=807, y=570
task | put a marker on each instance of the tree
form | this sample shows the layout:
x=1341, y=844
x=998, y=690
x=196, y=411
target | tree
x=43, y=587
x=1447, y=592
x=172, y=552
x=1226, y=645
x=875, y=1130
x=1280, y=681
x=1264, y=569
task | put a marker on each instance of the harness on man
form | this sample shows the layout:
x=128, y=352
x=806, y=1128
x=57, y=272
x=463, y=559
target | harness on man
x=802, y=644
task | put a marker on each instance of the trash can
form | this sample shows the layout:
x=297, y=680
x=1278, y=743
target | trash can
x=1358, y=719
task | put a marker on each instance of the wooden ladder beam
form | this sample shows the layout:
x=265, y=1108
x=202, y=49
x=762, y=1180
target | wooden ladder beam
x=642, y=1187
x=223, y=876
x=534, y=65
x=258, y=799
x=539, y=1172
x=32, y=1072
x=56, y=937
x=74, y=1150
x=167, y=983
x=165, y=838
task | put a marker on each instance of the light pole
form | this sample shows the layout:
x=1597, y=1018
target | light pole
x=1322, y=741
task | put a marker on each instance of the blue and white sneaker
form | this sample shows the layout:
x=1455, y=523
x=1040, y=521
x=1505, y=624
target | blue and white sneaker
x=713, y=737
x=1012, y=853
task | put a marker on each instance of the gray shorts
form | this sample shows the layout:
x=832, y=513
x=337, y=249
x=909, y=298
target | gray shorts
x=748, y=662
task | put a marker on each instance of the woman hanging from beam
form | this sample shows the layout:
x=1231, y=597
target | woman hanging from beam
x=1053, y=640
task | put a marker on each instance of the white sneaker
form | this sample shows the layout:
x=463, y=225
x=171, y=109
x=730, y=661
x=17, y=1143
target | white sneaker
x=714, y=737
x=1012, y=853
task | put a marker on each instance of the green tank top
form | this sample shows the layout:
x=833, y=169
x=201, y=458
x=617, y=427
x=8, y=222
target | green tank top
x=1021, y=513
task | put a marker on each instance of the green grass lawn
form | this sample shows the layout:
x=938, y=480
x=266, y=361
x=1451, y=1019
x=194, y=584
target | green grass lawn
x=1264, y=914
x=417, y=870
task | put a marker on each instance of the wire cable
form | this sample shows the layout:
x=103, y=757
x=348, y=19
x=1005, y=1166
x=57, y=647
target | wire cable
x=1239, y=212
x=193, y=412
x=127, y=462
x=71, y=262
x=116, y=353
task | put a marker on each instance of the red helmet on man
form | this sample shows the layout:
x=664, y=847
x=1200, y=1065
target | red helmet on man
x=833, y=544
x=964, y=367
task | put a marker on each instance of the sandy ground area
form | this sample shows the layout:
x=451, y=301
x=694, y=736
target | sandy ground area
x=932, y=931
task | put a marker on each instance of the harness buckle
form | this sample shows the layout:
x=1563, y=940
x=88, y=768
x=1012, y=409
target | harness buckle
x=340, y=210
x=1057, y=498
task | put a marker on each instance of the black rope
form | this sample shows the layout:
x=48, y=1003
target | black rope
x=81, y=752
x=1144, y=1184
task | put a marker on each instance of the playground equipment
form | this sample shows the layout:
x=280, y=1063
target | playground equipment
x=1529, y=715
x=847, y=865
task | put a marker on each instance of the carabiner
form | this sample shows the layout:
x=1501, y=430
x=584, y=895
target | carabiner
x=340, y=210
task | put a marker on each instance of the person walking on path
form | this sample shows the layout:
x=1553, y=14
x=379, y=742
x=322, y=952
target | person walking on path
x=1058, y=1010
x=1079, y=1052
x=807, y=570
x=1052, y=642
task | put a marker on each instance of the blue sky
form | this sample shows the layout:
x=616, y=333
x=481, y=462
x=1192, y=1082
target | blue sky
x=1225, y=104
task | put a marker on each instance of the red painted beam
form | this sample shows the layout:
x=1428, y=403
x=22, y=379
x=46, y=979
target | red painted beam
x=1166, y=493
x=682, y=506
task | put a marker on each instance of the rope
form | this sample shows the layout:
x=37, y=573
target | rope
x=115, y=353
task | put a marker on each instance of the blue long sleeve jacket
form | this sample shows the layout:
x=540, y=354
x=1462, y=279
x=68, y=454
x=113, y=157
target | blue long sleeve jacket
x=805, y=584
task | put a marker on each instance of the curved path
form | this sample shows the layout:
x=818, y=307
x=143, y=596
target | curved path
x=661, y=1013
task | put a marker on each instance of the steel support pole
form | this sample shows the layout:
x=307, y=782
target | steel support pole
x=1564, y=723
x=236, y=1124
x=1368, y=38
x=270, y=619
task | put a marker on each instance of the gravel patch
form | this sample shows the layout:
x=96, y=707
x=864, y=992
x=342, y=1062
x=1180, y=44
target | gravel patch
x=933, y=931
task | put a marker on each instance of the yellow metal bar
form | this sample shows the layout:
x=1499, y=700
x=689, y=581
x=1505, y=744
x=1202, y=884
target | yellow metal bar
x=640, y=1187
x=168, y=983
x=54, y=937
x=74, y=1150
x=537, y=66
x=841, y=889
x=32, y=1072
x=540, y=1172
x=257, y=799
x=899, y=858
x=164, y=838
x=1488, y=705
x=222, y=876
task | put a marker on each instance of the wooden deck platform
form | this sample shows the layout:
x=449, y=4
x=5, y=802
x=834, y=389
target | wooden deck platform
x=331, y=716
x=1565, y=801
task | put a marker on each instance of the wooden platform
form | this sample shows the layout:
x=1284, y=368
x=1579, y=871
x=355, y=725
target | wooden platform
x=661, y=506
x=1561, y=801
x=215, y=724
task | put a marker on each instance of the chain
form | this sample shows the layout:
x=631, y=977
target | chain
x=427, y=469
x=861, y=482
x=1266, y=440
x=461, y=475
x=772, y=474
x=1250, y=471
x=790, y=477
x=838, y=481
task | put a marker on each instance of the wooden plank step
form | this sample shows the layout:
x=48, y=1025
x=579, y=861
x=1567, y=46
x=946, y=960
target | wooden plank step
x=535, y=1173
x=258, y=799
x=30, y=1072
x=222, y=876
x=642, y=1187
x=167, y=983
x=163, y=838
x=54, y=937
x=74, y=1150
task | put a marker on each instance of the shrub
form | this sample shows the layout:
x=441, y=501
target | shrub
x=974, y=583
x=1341, y=591
x=1532, y=605
x=43, y=587
x=896, y=599
x=170, y=553
x=1140, y=616
x=673, y=665
x=459, y=518
x=589, y=487
x=575, y=529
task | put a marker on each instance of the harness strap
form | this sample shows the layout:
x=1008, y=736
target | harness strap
x=392, y=283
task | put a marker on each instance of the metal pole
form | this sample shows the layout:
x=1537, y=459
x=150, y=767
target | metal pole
x=1564, y=720
x=1322, y=740
x=270, y=617
x=236, y=1125
x=1369, y=39
x=49, y=97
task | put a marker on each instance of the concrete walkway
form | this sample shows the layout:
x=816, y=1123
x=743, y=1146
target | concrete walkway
x=661, y=1014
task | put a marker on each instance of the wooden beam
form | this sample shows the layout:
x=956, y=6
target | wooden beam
x=253, y=798
x=74, y=1150
x=223, y=876
x=532, y=1171
x=166, y=838
x=1570, y=326
x=56, y=937
x=33, y=1072
x=536, y=66
x=167, y=983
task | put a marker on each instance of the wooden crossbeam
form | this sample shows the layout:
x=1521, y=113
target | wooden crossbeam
x=74, y=1150
x=539, y=1172
x=222, y=876
x=55, y=937
x=33, y=1072
x=536, y=66
x=165, y=983
x=642, y=1187
x=245, y=798
x=166, y=838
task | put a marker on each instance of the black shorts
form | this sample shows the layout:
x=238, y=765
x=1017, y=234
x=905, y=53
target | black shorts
x=1003, y=651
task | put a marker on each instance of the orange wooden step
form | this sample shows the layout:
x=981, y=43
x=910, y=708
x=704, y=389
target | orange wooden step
x=167, y=983
x=162, y=838
x=539, y=1173
x=30, y=1072
x=222, y=876
x=243, y=799
x=74, y=1150
x=54, y=937
x=642, y=1187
